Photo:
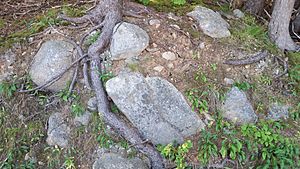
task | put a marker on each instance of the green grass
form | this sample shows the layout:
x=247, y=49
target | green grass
x=251, y=35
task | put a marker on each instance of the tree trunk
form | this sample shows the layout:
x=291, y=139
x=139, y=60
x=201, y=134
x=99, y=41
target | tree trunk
x=255, y=7
x=279, y=25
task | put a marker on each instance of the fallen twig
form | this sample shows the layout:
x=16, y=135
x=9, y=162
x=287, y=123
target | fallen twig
x=285, y=66
x=246, y=61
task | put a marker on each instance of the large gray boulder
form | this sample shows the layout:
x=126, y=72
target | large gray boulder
x=116, y=161
x=154, y=106
x=53, y=58
x=211, y=23
x=58, y=131
x=237, y=108
x=128, y=40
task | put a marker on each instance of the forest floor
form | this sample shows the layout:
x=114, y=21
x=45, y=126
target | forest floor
x=199, y=73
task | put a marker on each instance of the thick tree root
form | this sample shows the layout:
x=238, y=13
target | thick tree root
x=249, y=60
x=107, y=14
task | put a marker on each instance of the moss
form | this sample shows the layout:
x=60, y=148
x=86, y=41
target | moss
x=74, y=12
x=167, y=6
x=2, y=23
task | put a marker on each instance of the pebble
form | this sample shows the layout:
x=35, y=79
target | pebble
x=154, y=22
x=228, y=81
x=158, y=68
x=169, y=55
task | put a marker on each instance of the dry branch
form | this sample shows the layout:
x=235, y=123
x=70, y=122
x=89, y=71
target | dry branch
x=245, y=61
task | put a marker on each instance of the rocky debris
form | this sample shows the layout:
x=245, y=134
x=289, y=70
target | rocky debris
x=92, y=104
x=53, y=58
x=211, y=23
x=7, y=59
x=158, y=68
x=169, y=56
x=228, y=81
x=172, y=16
x=201, y=45
x=128, y=40
x=83, y=119
x=116, y=161
x=237, y=108
x=154, y=22
x=154, y=106
x=170, y=65
x=58, y=131
x=277, y=111
x=238, y=13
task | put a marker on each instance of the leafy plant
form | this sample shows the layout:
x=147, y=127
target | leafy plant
x=77, y=109
x=92, y=38
x=243, y=85
x=198, y=100
x=176, y=154
x=207, y=147
x=8, y=89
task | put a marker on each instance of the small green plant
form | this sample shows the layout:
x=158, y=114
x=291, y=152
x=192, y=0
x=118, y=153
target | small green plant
x=233, y=147
x=92, y=38
x=176, y=154
x=213, y=66
x=265, y=80
x=99, y=130
x=201, y=76
x=77, y=109
x=106, y=76
x=198, y=100
x=243, y=85
x=8, y=89
x=207, y=147
x=53, y=159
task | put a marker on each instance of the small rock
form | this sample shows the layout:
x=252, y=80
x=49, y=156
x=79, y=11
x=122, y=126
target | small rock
x=277, y=111
x=228, y=81
x=237, y=108
x=201, y=45
x=247, y=66
x=154, y=22
x=170, y=65
x=211, y=23
x=92, y=104
x=128, y=40
x=173, y=16
x=84, y=119
x=175, y=26
x=169, y=55
x=53, y=58
x=238, y=13
x=58, y=131
x=116, y=161
x=158, y=68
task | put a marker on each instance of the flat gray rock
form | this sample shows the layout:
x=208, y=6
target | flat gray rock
x=58, y=131
x=237, y=108
x=53, y=57
x=211, y=23
x=155, y=107
x=128, y=40
x=83, y=119
x=277, y=111
x=116, y=161
x=238, y=13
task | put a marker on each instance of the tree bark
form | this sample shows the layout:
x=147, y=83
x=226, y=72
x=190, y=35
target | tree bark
x=255, y=7
x=279, y=25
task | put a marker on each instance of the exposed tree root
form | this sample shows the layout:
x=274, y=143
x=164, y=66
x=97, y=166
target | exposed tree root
x=249, y=60
x=285, y=67
x=106, y=15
